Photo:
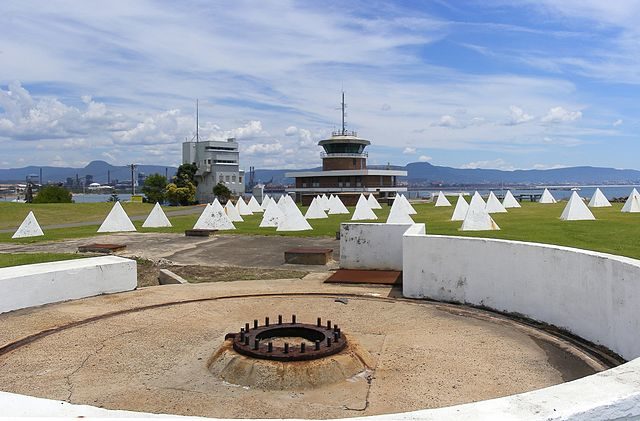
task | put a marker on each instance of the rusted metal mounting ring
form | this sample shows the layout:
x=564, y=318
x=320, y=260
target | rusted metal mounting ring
x=324, y=341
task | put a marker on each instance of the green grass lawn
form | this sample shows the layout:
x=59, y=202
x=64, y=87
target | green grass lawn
x=17, y=259
x=12, y=214
x=612, y=232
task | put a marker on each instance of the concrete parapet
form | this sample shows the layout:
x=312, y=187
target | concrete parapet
x=44, y=283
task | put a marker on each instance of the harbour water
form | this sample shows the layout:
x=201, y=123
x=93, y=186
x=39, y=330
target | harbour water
x=558, y=193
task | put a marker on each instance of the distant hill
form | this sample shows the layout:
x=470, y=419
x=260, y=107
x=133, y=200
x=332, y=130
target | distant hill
x=423, y=172
x=98, y=169
x=418, y=173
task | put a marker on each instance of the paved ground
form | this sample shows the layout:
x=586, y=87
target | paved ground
x=156, y=359
x=219, y=250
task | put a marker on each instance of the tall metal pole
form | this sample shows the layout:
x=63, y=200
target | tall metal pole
x=133, y=184
x=197, y=122
x=343, y=128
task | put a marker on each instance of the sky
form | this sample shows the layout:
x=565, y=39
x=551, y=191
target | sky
x=469, y=84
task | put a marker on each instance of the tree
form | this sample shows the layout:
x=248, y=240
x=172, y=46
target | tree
x=222, y=191
x=154, y=188
x=181, y=195
x=53, y=194
x=186, y=173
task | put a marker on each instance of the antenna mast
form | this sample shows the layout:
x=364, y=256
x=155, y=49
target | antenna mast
x=344, y=131
x=197, y=122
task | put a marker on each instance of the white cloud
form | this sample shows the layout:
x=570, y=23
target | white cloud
x=446, y=121
x=548, y=166
x=424, y=158
x=617, y=123
x=561, y=115
x=409, y=150
x=498, y=164
x=263, y=148
x=518, y=116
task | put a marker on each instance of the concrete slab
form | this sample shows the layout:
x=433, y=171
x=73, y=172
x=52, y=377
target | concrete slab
x=308, y=256
x=151, y=349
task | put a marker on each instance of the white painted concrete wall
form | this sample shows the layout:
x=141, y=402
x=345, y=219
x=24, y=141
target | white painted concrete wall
x=43, y=283
x=593, y=295
x=373, y=245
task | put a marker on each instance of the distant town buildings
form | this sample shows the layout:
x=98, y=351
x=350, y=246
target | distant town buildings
x=217, y=162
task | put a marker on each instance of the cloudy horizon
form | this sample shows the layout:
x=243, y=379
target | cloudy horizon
x=543, y=84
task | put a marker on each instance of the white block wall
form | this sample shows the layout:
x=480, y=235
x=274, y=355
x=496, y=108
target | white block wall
x=43, y=283
x=373, y=246
x=593, y=295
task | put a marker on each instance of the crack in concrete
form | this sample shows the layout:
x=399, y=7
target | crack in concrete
x=95, y=352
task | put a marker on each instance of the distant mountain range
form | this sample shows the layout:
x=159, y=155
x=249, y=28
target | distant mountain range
x=100, y=171
x=420, y=173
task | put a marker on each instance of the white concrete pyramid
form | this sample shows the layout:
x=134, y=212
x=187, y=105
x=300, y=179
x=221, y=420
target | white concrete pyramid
x=632, y=205
x=407, y=205
x=315, y=210
x=156, y=218
x=272, y=215
x=398, y=213
x=293, y=220
x=599, y=200
x=479, y=198
x=265, y=202
x=373, y=203
x=28, y=228
x=117, y=221
x=325, y=202
x=336, y=206
x=509, y=201
x=477, y=217
x=460, y=210
x=214, y=217
x=363, y=212
x=576, y=210
x=547, y=197
x=232, y=212
x=494, y=205
x=254, y=206
x=442, y=200
x=282, y=203
x=243, y=208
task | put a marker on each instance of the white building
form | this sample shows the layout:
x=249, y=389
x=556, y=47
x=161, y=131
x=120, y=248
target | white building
x=217, y=162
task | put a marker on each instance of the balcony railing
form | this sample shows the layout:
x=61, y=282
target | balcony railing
x=345, y=133
x=344, y=155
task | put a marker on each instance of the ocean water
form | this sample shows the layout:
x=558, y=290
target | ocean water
x=83, y=198
x=558, y=193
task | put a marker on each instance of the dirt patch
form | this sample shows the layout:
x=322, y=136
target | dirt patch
x=197, y=274
x=148, y=273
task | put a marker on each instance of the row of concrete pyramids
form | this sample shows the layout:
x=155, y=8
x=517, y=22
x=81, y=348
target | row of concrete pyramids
x=116, y=221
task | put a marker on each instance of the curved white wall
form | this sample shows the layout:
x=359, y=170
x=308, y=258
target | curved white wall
x=593, y=295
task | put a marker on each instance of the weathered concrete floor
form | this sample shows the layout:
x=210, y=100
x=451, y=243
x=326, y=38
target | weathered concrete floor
x=155, y=360
x=218, y=250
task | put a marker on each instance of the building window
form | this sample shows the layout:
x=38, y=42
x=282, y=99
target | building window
x=358, y=181
x=226, y=178
x=220, y=178
x=315, y=182
x=239, y=179
x=233, y=178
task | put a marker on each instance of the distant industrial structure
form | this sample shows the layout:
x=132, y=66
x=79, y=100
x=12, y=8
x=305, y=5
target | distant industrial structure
x=344, y=171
